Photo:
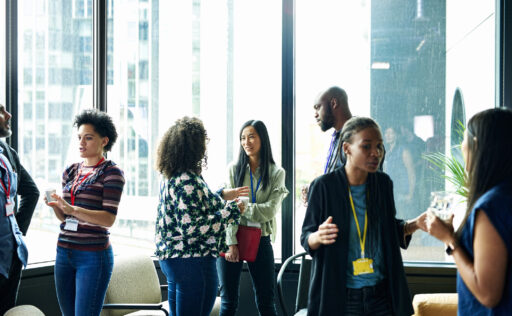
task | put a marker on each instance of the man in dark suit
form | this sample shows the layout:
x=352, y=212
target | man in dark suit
x=10, y=241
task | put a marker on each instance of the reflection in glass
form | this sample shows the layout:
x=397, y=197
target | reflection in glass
x=399, y=62
x=168, y=59
x=2, y=53
x=55, y=69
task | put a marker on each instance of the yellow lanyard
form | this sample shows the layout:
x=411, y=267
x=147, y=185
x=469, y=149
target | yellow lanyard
x=361, y=241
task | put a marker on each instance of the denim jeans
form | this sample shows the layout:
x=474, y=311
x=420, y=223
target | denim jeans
x=370, y=300
x=192, y=285
x=81, y=280
x=263, y=281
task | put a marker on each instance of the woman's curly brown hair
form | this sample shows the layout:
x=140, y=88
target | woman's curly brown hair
x=182, y=148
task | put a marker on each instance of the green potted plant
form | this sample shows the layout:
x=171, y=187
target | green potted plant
x=456, y=174
x=453, y=164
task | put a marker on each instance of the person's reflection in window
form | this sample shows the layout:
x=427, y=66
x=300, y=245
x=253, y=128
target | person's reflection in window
x=399, y=165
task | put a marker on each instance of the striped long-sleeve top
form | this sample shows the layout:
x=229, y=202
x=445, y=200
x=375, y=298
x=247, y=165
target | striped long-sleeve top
x=101, y=191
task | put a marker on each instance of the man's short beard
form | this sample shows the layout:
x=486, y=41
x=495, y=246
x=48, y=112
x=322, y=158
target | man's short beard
x=328, y=121
x=4, y=132
x=324, y=126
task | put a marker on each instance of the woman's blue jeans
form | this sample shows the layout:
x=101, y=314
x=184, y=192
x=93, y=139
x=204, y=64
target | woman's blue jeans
x=192, y=285
x=81, y=280
x=262, y=272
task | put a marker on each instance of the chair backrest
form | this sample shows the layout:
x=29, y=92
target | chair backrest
x=301, y=301
x=134, y=280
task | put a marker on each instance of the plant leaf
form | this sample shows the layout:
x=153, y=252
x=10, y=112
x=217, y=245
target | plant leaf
x=456, y=174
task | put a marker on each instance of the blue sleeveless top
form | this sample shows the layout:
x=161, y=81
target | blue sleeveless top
x=497, y=205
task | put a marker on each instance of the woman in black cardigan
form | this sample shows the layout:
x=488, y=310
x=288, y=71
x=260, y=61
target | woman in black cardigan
x=357, y=266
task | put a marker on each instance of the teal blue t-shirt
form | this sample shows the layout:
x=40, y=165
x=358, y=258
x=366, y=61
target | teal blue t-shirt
x=354, y=248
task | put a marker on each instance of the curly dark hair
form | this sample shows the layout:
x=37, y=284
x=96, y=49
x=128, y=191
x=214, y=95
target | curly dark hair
x=102, y=124
x=182, y=148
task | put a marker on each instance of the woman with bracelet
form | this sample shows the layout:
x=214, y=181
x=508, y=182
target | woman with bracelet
x=191, y=220
x=91, y=191
x=255, y=169
x=481, y=245
x=351, y=232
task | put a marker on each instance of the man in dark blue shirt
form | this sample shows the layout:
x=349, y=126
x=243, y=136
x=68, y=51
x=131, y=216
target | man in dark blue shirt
x=331, y=111
x=14, y=219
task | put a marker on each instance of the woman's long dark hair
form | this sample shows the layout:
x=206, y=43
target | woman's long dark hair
x=490, y=150
x=266, y=158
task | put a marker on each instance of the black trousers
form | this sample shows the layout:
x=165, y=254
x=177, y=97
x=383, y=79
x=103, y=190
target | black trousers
x=370, y=300
x=9, y=287
x=263, y=281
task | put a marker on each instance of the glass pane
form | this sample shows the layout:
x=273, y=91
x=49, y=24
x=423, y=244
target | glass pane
x=55, y=73
x=167, y=59
x=400, y=62
x=2, y=53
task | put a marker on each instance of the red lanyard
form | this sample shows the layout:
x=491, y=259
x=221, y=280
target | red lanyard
x=8, y=189
x=74, y=187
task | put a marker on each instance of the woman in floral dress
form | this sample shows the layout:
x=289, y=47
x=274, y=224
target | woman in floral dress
x=191, y=221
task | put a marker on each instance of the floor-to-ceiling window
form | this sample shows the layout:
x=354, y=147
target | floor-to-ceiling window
x=400, y=62
x=195, y=58
x=165, y=59
x=2, y=54
x=54, y=83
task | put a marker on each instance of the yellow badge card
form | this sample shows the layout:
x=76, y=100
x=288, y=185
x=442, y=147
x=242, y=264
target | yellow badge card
x=363, y=266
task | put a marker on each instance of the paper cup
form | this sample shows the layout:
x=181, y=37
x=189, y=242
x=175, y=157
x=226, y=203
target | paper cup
x=245, y=200
x=49, y=193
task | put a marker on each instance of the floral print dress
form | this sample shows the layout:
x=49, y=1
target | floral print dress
x=191, y=219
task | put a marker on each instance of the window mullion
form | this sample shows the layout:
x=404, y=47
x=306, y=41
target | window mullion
x=11, y=65
x=99, y=81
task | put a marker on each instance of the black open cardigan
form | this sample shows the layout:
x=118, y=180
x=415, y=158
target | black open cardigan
x=328, y=196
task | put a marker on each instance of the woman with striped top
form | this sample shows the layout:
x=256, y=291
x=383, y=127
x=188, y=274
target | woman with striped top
x=91, y=191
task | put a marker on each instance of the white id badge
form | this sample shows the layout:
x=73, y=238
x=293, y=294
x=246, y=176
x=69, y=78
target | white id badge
x=9, y=208
x=71, y=224
x=253, y=224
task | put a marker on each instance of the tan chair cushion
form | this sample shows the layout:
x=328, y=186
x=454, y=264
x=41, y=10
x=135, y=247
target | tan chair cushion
x=216, y=307
x=302, y=312
x=438, y=304
x=134, y=280
x=24, y=310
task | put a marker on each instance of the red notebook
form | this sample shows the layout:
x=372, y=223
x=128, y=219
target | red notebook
x=248, y=242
